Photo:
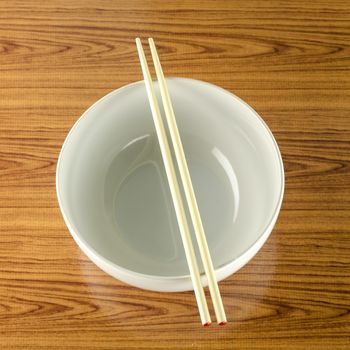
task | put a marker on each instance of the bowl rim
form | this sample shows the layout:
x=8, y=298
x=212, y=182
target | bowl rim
x=82, y=243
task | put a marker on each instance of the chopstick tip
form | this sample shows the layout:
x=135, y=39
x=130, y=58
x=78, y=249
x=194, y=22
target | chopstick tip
x=207, y=324
x=223, y=323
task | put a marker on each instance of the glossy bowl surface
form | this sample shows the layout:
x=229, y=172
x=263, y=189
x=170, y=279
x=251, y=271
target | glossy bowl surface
x=113, y=192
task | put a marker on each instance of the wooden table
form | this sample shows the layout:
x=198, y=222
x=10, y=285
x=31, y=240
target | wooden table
x=289, y=60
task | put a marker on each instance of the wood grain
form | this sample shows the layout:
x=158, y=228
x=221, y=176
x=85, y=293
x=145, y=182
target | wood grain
x=289, y=60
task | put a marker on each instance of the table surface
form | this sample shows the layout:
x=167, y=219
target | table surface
x=289, y=60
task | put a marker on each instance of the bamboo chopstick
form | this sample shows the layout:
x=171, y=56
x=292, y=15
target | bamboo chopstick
x=175, y=190
x=188, y=189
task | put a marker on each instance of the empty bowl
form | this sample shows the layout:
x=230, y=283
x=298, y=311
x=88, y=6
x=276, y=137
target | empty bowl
x=114, y=195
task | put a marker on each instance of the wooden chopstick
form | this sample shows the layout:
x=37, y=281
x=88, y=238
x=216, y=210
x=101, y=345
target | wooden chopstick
x=175, y=190
x=188, y=189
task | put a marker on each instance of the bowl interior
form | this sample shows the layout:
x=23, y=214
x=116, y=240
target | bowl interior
x=114, y=192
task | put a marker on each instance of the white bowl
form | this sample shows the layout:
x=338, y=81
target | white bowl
x=114, y=196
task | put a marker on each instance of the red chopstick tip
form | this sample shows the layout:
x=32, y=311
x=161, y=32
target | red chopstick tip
x=207, y=324
x=223, y=323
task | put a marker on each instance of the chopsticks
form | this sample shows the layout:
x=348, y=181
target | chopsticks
x=175, y=190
